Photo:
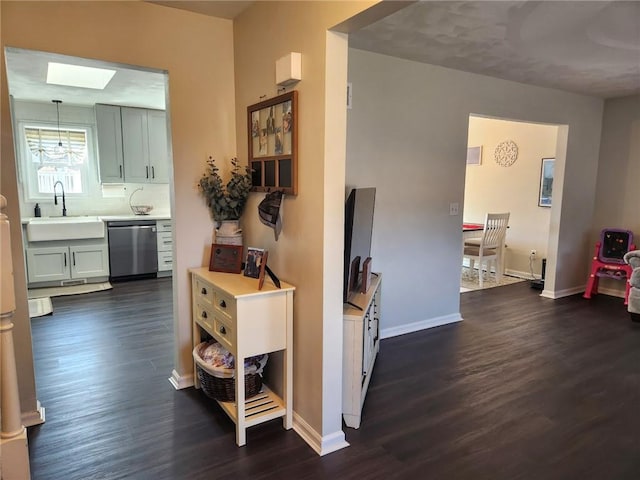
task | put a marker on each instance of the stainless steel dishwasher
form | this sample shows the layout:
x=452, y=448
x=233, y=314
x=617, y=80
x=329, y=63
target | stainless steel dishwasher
x=133, y=248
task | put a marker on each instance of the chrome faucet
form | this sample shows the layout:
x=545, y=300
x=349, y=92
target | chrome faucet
x=55, y=197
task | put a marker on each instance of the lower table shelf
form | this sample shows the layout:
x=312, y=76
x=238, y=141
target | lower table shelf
x=260, y=408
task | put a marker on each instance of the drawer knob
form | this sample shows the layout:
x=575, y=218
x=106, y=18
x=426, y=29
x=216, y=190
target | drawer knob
x=203, y=291
x=223, y=330
x=204, y=314
x=223, y=304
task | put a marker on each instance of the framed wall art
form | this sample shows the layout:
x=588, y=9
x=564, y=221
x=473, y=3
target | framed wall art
x=273, y=144
x=546, y=182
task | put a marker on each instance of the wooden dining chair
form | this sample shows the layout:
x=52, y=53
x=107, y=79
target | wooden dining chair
x=489, y=247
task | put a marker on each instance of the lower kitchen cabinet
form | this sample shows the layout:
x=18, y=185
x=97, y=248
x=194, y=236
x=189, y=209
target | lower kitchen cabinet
x=59, y=263
x=165, y=247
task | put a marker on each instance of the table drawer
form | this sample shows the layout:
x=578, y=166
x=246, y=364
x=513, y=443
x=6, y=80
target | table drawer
x=204, y=293
x=205, y=318
x=225, y=305
x=224, y=333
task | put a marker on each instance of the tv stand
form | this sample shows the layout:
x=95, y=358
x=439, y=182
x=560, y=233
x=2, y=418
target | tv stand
x=361, y=330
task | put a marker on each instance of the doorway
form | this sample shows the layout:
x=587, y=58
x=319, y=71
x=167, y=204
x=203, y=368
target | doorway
x=515, y=185
x=71, y=116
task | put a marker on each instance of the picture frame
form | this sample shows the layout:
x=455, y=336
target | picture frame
x=474, y=155
x=546, y=182
x=255, y=262
x=273, y=144
x=225, y=258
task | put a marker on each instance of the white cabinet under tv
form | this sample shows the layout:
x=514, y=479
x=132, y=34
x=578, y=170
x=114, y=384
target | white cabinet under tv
x=361, y=330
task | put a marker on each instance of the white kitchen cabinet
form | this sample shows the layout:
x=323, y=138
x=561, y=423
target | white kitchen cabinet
x=109, y=127
x=60, y=263
x=144, y=145
x=361, y=343
x=247, y=322
x=165, y=247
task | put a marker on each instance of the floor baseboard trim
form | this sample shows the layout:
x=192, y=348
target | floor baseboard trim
x=612, y=292
x=567, y=292
x=321, y=445
x=422, y=325
x=181, y=381
x=34, y=417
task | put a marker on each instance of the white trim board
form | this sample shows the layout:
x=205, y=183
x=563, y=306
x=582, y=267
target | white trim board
x=181, y=381
x=421, y=325
x=321, y=445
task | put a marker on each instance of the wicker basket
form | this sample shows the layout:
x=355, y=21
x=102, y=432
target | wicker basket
x=223, y=389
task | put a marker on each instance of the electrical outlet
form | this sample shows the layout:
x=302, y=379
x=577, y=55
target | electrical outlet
x=533, y=254
x=454, y=208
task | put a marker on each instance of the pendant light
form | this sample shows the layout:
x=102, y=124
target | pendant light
x=59, y=148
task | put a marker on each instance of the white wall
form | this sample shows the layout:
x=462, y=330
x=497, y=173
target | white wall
x=618, y=188
x=490, y=187
x=407, y=136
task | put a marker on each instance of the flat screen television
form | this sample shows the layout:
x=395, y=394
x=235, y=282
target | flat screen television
x=358, y=228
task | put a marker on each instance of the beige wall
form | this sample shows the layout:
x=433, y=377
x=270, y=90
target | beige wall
x=618, y=189
x=197, y=51
x=309, y=251
x=492, y=188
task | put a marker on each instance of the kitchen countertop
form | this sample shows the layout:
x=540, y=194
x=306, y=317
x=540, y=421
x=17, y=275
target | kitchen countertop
x=108, y=218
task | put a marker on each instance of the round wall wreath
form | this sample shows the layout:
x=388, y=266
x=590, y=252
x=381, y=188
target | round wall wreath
x=506, y=153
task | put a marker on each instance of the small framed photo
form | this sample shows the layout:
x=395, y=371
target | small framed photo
x=474, y=155
x=546, y=182
x=226, y=258
x=256, y=260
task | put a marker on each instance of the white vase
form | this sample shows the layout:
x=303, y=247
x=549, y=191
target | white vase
x=229, y=233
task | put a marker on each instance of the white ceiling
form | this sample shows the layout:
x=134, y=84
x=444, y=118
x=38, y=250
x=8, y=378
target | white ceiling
x=588, y=47
x=133, y=86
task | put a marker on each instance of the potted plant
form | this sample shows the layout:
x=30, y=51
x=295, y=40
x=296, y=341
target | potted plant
x=226, y=202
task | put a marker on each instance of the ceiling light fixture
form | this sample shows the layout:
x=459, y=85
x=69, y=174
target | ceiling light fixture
x=78, y=76
x=58, y=149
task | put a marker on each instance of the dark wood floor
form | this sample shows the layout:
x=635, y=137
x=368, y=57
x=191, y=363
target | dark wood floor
x=524, y=388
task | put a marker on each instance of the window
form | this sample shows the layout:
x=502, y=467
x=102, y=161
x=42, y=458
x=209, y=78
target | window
x=53, y=155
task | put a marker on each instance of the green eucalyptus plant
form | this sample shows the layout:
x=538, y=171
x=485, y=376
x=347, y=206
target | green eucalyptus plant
x=225, y=203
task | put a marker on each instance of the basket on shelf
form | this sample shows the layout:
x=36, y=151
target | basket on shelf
x=217, y=380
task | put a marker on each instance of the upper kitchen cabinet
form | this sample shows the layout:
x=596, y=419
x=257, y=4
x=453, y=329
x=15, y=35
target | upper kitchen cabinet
x=109, y=125
x=144, y=145
x=132, y=144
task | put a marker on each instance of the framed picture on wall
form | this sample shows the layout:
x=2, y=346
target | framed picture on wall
x=273, y=144
x=546, y=182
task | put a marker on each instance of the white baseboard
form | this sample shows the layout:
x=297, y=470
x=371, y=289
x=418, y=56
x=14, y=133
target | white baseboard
x=35, y=417
x=421, y=325
x=612, y=292
x=321, y=445
x=519, y=274
x=181, y=381
x=561, y=293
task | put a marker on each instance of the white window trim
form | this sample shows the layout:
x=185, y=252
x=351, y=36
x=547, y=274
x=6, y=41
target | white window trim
x=90, y=177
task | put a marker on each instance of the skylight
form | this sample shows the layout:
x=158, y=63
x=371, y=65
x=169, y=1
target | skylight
x=77, y=76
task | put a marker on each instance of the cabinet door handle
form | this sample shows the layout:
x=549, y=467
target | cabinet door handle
x=203, y=291
x=222, y=330
x=147, y=171
x=73, y=255
x=153, y=172
x=223, y=304
x=204, y=314
x=65, y=259
x=120, y=171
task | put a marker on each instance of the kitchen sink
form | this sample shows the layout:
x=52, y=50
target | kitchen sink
x=64, y=228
